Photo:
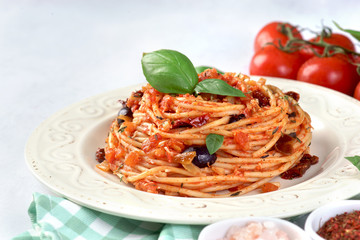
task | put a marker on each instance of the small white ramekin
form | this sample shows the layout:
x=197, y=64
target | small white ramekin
x=319, y=216
x=218, y=230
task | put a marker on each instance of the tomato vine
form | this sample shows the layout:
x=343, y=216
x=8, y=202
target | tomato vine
x=288, y=55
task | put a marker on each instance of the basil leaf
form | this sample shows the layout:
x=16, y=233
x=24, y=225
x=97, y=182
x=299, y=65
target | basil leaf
x=169, y=71
x=355, y=160
x=200, y=69
x=217, y=86
x=355, y=34
x=214, y=142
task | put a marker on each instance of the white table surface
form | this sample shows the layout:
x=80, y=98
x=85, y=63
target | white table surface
x=55, y=53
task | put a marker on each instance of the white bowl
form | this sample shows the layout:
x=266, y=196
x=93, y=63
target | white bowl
x=219, y=229
x=319, y=216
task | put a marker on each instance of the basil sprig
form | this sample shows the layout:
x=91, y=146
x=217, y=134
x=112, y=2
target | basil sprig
x=169, y=71
x=214, y=142
x=354, y=160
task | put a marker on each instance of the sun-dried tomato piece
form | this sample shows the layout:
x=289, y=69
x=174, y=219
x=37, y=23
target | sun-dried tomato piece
x=262, y=98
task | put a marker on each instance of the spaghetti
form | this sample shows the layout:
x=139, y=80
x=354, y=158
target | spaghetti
x=158, y=141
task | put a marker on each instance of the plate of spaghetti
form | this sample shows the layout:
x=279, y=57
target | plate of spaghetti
x=198, y=147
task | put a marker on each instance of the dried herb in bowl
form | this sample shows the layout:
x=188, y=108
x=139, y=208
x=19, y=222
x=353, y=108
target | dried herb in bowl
x=342, y=226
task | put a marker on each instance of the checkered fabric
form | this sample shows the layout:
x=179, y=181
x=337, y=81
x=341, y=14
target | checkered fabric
x=55, y=218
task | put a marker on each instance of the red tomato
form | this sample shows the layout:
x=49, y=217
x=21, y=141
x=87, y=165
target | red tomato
x=270, y=61
x=132, y=159
x=357, y=92
x=269, y=187
x=110, y=154
x=151, y=143
x=242, y=139
x=332, y=72
x=272, y=33
x=334, y=39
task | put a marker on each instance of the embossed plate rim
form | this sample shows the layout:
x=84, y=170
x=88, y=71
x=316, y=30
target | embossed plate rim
x=64, y=169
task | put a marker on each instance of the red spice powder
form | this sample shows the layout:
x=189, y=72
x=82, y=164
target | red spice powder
x=342, y=226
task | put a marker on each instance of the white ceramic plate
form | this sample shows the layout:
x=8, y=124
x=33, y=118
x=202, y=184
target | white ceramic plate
x=61, y=154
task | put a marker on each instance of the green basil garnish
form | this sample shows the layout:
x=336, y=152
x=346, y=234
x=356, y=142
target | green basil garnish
x=355, y=34
x=214, y=142
x=200, y=69
x=217, y=86
x=169, y=71
x=354, y=160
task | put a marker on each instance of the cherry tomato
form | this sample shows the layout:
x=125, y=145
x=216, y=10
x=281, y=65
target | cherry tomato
x=271, y=33
x=332, y=72
x=271, y=61
x=335, y=39
x=357, y=92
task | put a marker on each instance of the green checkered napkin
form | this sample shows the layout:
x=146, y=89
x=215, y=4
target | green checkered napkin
x=56, y=218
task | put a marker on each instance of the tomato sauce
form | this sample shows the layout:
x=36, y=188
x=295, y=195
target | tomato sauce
x=147, y=186
x=166, y=102
x=269, y=187
x=210, y=73
x=199, y=121
x=132, y=159
x=242, y=139
x=151, y=143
